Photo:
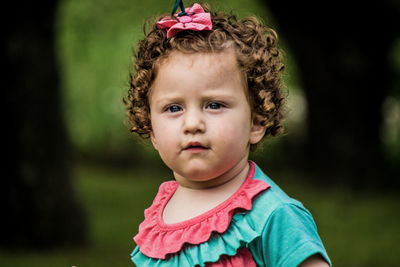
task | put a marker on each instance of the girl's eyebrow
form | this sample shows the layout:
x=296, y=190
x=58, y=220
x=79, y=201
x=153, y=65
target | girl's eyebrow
x=168, y=99
x=224, y=98
x=218, y=95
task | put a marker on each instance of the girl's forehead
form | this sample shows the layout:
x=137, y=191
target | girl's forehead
x=208, y=69
x=213, y=67
x=225, y=59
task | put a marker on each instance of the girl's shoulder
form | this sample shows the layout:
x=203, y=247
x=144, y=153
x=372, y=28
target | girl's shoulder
x=287, y=231
x=273, y=199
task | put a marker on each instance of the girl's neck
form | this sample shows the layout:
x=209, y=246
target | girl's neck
x=205, y=196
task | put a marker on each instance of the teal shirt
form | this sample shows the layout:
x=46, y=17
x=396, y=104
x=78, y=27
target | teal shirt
x=279, y=231
x=289, y=235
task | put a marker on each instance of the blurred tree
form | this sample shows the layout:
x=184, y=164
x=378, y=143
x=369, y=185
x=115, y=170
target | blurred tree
x=341, y=49
x=39, y=207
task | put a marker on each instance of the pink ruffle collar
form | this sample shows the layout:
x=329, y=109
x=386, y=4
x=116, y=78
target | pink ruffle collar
x=157, y=239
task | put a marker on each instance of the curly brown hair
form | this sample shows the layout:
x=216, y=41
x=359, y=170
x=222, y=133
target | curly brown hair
x=258, y=57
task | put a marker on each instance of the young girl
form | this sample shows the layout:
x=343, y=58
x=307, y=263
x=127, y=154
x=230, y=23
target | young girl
x=206, y=90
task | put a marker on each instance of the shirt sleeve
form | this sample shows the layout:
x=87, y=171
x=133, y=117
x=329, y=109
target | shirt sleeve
x=290, y=236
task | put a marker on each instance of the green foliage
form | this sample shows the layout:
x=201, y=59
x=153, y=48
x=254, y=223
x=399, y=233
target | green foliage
x=357, y=229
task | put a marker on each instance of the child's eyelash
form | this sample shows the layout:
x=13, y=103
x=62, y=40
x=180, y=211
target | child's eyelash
x=172, y=108
x=215, y=105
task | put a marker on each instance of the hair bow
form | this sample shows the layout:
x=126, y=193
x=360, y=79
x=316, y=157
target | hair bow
x=194, y=18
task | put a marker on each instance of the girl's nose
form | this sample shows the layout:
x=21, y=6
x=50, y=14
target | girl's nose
x=193, y=122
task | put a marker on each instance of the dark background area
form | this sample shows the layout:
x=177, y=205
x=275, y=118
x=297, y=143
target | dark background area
x=343, y=51
x=76, y=183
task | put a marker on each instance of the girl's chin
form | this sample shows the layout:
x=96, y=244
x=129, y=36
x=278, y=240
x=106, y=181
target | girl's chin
x=197, y=177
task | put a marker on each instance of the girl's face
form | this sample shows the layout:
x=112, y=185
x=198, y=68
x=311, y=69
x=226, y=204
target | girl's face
x=201, y=118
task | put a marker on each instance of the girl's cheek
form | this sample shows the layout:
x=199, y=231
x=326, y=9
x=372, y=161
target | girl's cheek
x=225, y=132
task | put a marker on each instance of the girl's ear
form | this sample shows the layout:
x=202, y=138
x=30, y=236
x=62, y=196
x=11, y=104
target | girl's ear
x=257, y=131
x=153, y=140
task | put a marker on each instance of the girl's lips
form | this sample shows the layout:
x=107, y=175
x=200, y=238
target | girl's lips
x=195, y=147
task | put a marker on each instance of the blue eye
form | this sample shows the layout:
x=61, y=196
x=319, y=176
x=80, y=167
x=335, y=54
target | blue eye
x=173, y=108
x=214, y=105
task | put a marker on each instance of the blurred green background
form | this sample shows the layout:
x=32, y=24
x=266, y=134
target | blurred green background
x=116, y=175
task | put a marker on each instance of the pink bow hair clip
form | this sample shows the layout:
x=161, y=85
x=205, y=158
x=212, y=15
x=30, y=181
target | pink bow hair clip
x=194, y=18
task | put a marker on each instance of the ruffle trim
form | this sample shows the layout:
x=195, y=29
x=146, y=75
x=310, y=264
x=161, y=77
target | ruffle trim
x=243, y=257
x=242, y=231
x=157, y=239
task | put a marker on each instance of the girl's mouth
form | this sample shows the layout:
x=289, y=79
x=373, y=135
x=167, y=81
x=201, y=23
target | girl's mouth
x=195, y=147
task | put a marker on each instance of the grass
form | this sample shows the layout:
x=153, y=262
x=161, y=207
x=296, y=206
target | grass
x=358, y=229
